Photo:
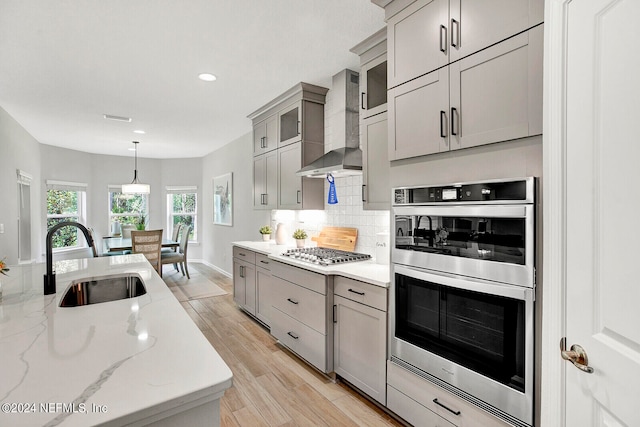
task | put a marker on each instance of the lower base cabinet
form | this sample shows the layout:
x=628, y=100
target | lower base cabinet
x=253, y=283
x=422, y=403
x=360, y=335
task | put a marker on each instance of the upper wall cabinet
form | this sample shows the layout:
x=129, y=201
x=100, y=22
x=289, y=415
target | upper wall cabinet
x=491, y=96
x=293, y=126
x=373, y=87
x=424, y=35
x=265, y=135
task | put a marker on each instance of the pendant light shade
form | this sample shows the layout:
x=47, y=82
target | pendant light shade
x=136, y=187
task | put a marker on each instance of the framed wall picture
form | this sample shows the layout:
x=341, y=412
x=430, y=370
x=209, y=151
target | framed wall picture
x=223, y=199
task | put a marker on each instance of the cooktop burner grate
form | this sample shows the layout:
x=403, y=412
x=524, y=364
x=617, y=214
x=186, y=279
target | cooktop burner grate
x=325, y=256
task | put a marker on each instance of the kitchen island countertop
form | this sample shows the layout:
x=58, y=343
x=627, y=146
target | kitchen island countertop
x=366, y=271
x=114, y=363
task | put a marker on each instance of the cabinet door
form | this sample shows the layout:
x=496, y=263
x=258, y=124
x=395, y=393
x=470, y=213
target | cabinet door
x=265, y=181
x=419, y=116
x=360, y=347
x=376, y=188
x=417, y=40
x=264, y=295
x=239, y=283
x=373, y=87
x=290, y=124
x=476, y=24
x=289, y=185
x=496, y=94
x=265, y=135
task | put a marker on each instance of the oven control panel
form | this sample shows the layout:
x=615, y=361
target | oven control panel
x=514, y=191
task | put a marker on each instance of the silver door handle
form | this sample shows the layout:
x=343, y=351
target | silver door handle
x=577, y=355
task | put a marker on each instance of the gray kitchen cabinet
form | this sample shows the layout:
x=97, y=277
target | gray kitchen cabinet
x=418, y=116
x=421, y=402
x=244, y=279
x=416, y=39
x=376, y=190
x=265, y=181
x=252, y=283
x=265, y=135
x=296, y=192
x=299, y=123
x=301, y=312
x=376, y=187
x=360, y=335
x=496, y=94
x=265, y=289
x=425, y=35
x=491, y=96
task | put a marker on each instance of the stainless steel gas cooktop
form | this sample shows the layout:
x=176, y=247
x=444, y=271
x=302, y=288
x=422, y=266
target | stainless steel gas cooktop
x=324, y=256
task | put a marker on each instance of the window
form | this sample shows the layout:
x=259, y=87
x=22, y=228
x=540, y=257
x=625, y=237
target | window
x=66, y=201
x=127, y=208
x=182, y=208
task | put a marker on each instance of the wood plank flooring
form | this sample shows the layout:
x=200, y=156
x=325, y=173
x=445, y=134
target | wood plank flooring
x=271, y=386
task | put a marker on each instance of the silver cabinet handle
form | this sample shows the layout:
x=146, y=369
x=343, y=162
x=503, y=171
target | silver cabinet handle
x=364, y=199
x=298, y=194
x=577, y=355
x=362, y=98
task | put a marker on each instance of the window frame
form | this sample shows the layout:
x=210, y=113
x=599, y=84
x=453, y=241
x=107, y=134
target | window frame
x=110, y=215
x=170, y=192
x=81, y=209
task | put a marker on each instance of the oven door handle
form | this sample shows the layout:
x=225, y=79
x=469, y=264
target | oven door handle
x=461, y=282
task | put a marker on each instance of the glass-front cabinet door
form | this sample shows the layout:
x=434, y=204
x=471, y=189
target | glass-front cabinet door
x=373, y=95
x=290, y=122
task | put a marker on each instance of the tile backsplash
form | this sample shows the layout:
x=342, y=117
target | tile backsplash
x=348, y=212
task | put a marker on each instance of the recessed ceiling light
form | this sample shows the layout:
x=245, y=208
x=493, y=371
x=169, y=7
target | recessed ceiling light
x=117, y=118
x=207, y=77
x=140, y=131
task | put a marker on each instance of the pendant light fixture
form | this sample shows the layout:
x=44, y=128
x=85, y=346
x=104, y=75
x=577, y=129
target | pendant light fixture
x=136, y=187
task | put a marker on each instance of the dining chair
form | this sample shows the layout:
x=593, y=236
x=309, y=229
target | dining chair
x=180, y=256
x=148, y=243
x=174, y=236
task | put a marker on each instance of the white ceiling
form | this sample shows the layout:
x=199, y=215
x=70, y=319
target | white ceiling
x=65, y=63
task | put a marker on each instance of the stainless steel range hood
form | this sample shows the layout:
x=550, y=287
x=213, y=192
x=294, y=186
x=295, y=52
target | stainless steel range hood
x=346, y=159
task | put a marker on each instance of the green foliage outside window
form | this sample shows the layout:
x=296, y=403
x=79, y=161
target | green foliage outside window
x=184, y=211
x=63, y=206
x=128, y=208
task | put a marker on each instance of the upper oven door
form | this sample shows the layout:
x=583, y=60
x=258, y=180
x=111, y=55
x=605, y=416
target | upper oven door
x=490, y=242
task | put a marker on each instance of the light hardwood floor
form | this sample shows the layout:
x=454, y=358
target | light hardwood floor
x=271, y=386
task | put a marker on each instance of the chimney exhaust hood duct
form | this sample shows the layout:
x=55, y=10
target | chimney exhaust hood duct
x=346, y=159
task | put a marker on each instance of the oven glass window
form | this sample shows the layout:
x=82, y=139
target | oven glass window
x=491, y=239
x=482, y=332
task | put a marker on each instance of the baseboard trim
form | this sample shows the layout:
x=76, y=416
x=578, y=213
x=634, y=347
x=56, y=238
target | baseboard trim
x=215, y=267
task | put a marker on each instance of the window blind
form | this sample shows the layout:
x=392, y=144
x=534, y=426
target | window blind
x=66, y=185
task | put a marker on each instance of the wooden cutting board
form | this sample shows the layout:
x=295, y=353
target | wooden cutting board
x=340, y=238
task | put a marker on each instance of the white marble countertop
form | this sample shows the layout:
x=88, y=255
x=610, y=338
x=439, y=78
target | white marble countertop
x=366, y=271
x=112, y=363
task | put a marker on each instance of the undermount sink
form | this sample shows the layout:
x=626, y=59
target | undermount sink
x=103, y=289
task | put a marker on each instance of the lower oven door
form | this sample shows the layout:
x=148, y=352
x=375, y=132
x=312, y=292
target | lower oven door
x=475, y=338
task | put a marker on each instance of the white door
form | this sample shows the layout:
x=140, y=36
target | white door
x=601, y=253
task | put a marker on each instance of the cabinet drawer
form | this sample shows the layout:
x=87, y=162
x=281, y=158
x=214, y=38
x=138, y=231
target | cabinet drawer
x=424, y=393
x=263, y=261
x=244, y=254
x=304, y=341
x=314, y=281
x=300, y=303
x=412, y=411
x=362, y=292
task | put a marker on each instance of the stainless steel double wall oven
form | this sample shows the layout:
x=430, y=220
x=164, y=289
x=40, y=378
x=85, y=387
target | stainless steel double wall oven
x=463, y=290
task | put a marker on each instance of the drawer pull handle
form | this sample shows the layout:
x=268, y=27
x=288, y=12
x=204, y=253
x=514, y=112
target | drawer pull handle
x=295, y=338
x=264, y=262
x=241, y=254
x=443, y=39
x=292, y=301
x=445, y=407
x=356, y=292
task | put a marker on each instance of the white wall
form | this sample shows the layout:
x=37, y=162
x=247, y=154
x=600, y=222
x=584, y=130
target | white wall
x=18, y=150
x=100, y=171
x=235, y=157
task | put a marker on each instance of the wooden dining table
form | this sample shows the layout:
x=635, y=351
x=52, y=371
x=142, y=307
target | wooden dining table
x=119, y=244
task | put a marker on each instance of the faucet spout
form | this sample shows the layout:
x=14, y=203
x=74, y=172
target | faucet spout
x=50, y=277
